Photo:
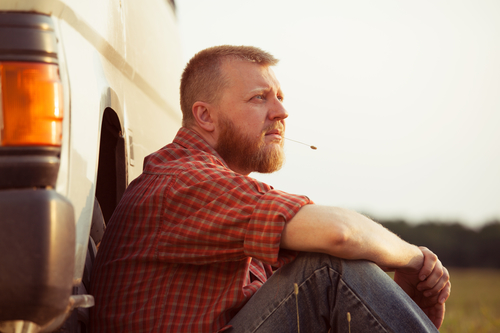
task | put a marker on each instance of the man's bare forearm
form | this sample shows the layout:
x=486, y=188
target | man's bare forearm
x=346, y=234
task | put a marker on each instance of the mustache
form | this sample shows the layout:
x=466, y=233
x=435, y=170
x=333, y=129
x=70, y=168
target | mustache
x=276, y=126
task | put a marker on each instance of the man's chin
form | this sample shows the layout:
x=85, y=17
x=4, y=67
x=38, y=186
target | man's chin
x=272, y=159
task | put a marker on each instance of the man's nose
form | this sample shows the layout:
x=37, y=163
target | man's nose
x=277, y=111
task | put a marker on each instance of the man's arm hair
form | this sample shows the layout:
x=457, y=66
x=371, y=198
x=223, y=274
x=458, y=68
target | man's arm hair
x=349, y=235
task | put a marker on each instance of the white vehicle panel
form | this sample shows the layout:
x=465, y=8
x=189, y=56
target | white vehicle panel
x=118, y=54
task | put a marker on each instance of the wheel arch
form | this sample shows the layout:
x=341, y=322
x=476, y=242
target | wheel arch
x=112, y=164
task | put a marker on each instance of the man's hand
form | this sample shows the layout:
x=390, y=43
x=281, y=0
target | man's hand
x=429, y=285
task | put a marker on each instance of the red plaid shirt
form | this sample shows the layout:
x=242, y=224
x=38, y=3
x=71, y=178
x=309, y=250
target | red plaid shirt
x=190, y=242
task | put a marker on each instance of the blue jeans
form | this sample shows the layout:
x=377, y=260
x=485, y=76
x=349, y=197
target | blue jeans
x=328, y=289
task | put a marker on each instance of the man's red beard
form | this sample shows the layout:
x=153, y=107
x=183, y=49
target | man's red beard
x=249, y=154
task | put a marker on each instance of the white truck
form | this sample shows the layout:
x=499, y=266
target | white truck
x=87, y=90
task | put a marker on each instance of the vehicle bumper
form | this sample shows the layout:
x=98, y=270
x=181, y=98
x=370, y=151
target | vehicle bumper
x=37, y=251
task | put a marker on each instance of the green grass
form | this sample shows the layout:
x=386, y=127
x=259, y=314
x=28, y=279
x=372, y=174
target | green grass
x=474, y=304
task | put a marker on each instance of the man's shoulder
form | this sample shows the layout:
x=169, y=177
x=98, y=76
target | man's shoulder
x=175, y=159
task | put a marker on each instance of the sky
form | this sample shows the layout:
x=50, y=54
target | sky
x=402, y=99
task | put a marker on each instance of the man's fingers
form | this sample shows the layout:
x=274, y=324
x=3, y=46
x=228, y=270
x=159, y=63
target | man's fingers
x=445, y=293
x=436, y=310
x=436, y=282
x=437, y=316
x=430, y=260
x=434, y=277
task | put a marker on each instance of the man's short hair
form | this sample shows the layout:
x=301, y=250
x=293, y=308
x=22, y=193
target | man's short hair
x=203, y=80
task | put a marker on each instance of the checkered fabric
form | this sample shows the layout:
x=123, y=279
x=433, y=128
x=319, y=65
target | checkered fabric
x=190, y=242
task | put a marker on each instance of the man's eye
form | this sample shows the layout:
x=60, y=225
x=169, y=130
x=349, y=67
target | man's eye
x=280, y=98
x=259, y=97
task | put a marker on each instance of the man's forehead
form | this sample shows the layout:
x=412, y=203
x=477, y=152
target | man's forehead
x=250, y=73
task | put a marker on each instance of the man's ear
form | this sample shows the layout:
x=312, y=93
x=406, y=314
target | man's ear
x=202, y=113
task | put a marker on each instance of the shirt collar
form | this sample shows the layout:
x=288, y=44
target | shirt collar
x=190, y=139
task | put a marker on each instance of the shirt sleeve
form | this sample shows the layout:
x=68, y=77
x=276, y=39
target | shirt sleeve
x=272, y=211
x=224, y=216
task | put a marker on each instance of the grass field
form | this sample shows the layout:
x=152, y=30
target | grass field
x=474, y=305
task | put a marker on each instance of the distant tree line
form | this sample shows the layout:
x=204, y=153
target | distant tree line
x=455, y=244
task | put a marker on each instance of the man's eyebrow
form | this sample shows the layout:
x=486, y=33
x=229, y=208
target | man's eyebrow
x=266, y=89
x=260, y=89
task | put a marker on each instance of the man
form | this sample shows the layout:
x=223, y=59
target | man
x=191, y=244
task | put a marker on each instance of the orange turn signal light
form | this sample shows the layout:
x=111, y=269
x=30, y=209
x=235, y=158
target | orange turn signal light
x=31, y=109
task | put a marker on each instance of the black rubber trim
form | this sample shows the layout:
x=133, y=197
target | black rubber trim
x=22, y=167
x=27, y=37
x=37, y=255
